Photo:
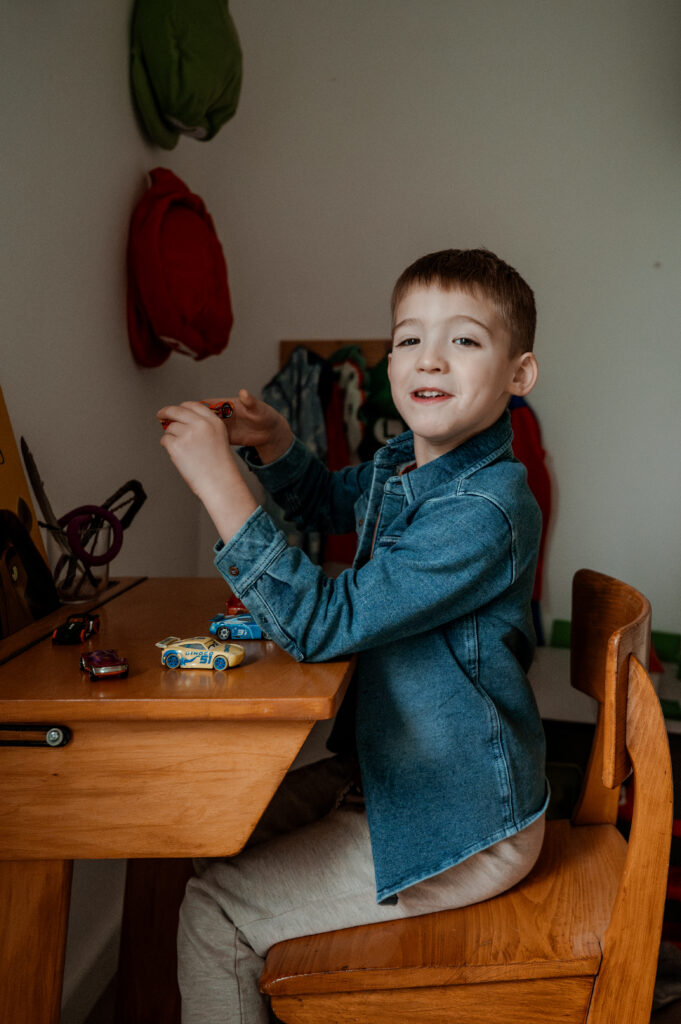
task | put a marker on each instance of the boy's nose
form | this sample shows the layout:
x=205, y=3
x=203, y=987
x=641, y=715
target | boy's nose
x=432, y=359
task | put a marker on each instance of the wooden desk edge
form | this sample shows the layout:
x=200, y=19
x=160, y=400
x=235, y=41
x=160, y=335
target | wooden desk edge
x=157, y=709
x=70, y=713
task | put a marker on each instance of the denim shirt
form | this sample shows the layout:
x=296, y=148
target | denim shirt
x=437, y=605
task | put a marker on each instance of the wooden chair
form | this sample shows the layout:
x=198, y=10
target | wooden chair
x=577, y=940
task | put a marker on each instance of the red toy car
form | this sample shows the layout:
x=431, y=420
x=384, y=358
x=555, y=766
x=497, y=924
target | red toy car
x=103, y=664
x=235, y=606
x=76, y=629
x=219, y=406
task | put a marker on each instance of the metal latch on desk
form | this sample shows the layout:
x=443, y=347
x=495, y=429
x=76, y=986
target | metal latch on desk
x=34, y=734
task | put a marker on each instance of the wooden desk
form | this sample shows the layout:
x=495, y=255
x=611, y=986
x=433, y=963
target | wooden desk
x=168, y=763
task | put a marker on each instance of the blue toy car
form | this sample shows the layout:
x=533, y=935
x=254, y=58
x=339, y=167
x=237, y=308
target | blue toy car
x=236, y=627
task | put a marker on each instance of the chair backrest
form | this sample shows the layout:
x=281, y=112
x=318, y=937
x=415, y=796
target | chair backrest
x=610, y=646
x=610, y=623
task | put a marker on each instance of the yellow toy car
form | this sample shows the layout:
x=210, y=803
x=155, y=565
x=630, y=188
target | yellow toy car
x=200, y=652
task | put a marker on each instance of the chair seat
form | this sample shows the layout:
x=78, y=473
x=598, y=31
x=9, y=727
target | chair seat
x=553, y=923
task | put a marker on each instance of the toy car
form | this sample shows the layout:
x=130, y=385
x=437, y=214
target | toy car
x=200, y=652
x=76, y=629
x=235, y=606
x=103, y=664
x=236, y=627
x=220, y=407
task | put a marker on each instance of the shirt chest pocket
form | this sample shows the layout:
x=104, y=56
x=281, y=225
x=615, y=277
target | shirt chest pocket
x=390, y=520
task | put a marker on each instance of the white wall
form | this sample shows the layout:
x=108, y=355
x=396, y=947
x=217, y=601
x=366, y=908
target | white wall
x=369, y=132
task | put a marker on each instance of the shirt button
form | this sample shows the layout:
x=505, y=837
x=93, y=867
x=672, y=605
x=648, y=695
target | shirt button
x=361, y=522
x=233, y=570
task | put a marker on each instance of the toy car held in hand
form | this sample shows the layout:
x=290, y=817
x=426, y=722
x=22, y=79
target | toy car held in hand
x=101, y=664
x=76, y=629
x=236, y=627
x=219, y=406
x=200, y=652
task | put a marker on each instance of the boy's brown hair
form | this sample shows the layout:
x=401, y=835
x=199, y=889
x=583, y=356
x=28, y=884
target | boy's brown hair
x=477, y=271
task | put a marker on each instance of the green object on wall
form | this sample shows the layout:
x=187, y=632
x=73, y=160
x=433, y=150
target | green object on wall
x=670, y=708
x=560, y=633
x=185, y=68
x=667, y=645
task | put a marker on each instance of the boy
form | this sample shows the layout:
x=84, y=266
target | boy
x=449, y=741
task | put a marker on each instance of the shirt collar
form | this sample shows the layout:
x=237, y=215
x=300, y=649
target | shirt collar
x=479, y=450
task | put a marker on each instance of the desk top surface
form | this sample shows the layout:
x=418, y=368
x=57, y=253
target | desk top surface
x=41, y=679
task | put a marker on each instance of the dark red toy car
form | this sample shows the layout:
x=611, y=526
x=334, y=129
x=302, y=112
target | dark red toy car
x=76, y=629
x=103, y=664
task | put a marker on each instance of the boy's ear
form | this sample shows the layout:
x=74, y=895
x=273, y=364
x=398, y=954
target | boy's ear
x=525, y=374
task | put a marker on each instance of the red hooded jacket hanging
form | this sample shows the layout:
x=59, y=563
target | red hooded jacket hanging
x=178, y=293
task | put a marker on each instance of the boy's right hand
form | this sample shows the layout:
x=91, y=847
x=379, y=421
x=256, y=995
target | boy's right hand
x=257, y=425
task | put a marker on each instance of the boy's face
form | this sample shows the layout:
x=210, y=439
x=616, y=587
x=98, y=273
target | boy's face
x=451, y=372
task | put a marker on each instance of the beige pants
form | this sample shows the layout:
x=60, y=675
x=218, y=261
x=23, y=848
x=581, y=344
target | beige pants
x=316, y=878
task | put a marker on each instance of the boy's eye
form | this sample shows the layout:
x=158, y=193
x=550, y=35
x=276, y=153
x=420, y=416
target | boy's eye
x=464, y=341
x=406, y=341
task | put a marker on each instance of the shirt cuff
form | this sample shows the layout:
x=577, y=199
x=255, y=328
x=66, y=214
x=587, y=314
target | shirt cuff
x=247, y=555
x=283, y=470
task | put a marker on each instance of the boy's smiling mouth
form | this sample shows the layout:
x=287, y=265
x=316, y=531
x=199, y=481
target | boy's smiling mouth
x=429, y=395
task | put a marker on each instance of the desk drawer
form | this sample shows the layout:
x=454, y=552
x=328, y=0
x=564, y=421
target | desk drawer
x=143, y=789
